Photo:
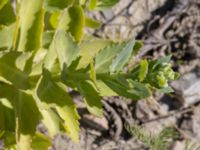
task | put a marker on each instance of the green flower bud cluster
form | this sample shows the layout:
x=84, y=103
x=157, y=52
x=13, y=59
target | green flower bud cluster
x=161, y=75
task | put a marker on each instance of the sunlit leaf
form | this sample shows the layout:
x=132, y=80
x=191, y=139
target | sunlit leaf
x=91, y=98
x=161, y=61
x=89, y=48
x=55, y=5
x=93, y=4
x=31, y=25
x=143, y=70
x=105, y=4
x=6, y=36
x=123, y=57
x=91, y=23
x=136, y=92
x=67, y=50
x=40, y=142
x=52, y=121
x=105, y=57
x=54, y=19
x=72, y=20
x=52, y=94
x=166, y=90
x=3, y=3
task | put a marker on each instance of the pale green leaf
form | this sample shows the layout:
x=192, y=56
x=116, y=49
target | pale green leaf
x=93, y=4
x=91, y=98
x=106, y=4
x=161, y=61
x=143, y=70
x=89, y=48
x=82, y=2
x=166, y=90
x=55, y=5
x=3, y=3
x=40, y=142
x=54, y=19
x=123, y=57
x=6, y=36
x=50, y=57
x=31, y=25
x=52, y=94
x=93, y=73
x=91, y=23
x=136, y=91
x=72, y=20
x=47, y=38
x=67, y=50
x=51, y=120
x=105, y=57
x=104, y=89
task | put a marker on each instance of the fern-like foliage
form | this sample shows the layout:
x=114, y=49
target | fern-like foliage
x=151, y=140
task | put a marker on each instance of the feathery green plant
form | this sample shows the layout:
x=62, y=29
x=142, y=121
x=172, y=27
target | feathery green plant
x=191, y=145
x=44, y=53
x=151, y=140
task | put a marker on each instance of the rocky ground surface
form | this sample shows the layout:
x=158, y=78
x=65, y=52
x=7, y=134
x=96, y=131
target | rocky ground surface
x=165, y=26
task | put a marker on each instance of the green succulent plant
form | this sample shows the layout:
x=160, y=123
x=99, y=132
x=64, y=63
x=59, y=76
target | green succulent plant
x=44, y=53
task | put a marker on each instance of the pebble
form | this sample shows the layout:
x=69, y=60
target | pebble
x=187, y=89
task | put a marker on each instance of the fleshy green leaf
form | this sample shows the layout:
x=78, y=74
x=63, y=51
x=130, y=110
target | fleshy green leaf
x=9, y=141
x=24, y=106
x=89, y=48
x=91, y=23
x=55, y=5
x=51, y=120
x=104, y=89
x=6, y=36
x=105, y=4
x=11, y=73
x=91, y=98
x=47, y=38
x=7, y=15
x=3, y=3
x=123, y=57
x=7, y=116
x=93, y=4
x=136, y=91
x=40, y=142
x=143, y=70
x=31, y=25
x=105, y=57
x=161, y=61
x=54, y=19
x=166, y=90
x=67, y=50
x=72, y=20
x=52, y=94
x=137, y=46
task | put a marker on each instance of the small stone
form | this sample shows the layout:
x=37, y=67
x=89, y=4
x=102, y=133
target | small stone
x=179, y=145
x=187, y=89
x=108, y=14
x=196, y=123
